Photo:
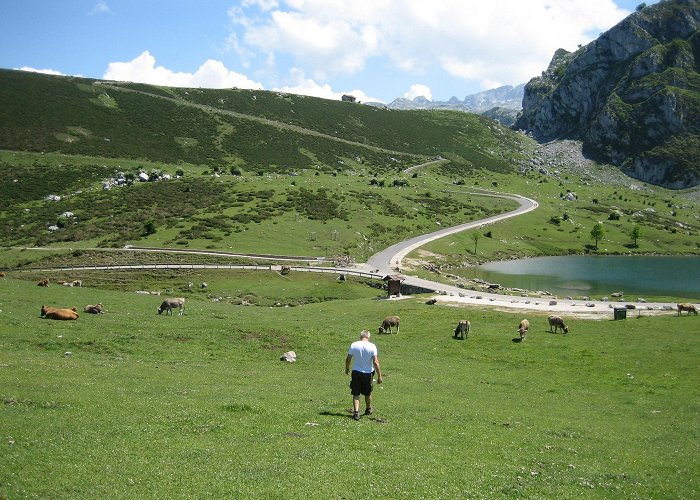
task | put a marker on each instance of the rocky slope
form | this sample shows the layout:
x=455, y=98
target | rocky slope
x=632, y=96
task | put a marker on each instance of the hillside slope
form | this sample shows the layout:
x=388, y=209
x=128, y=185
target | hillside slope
x=632, y=96
x=254, y=130
x=100, y=163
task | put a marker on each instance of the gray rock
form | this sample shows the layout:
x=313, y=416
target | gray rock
x=289, y=357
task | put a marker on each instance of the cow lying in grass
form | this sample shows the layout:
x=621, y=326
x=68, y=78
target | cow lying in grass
x=462, y=329
x=388, y=323
x=94, y=309
x=689, y=308
x=59, y=313
x=169, y=304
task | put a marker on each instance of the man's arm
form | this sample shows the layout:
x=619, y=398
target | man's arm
x=378, y=369
x=348, y=360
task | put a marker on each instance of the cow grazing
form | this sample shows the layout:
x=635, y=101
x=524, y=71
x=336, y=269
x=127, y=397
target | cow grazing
x=56, y=313
x=689, y=308
x=94, y=309
x=523, y=327
x=557, y=323
x=169, y=304
x=462, y=329
x=44, y=282
x=388, y=323
x=431, y=302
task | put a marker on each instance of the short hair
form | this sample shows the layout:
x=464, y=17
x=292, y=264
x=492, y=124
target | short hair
x=364, y=334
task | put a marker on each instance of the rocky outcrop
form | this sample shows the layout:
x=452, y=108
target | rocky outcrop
x=632, y=96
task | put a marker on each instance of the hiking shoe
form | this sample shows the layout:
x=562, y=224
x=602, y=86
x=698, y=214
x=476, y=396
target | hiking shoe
x=369, y=411
x=355, y=415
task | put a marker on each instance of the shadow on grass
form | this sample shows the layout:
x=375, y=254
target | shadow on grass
x=348, y=414
x=345, y=414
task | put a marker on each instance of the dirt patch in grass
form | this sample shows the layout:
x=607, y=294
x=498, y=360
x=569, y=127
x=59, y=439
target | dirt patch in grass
x=267, y=340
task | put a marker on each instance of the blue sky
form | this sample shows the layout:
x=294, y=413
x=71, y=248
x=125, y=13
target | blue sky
x=375, y=49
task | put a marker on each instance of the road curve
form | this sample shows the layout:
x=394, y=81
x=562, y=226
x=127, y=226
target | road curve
x=389, y=259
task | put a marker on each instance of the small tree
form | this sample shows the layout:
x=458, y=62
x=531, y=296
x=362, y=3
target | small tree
x=635, y=234
x=476, y=236
x=149, y=228
x=597, y=233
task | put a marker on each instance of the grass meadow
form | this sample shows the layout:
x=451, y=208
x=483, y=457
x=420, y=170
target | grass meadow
x=131, y=404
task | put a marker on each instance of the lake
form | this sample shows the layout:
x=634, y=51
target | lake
x=583, y=275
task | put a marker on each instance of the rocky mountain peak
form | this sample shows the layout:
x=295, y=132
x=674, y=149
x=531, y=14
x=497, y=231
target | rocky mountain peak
x=632, y=96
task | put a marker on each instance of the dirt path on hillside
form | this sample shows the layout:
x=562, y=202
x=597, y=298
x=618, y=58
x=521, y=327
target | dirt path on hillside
x=264, y=121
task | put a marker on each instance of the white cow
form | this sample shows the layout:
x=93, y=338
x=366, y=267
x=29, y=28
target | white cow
x=169, y=304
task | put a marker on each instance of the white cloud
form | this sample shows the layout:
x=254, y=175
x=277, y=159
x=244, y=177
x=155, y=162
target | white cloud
x=211, y=74
x=100, y=8
x=495, y=41
x=419, y=90
x=44, y=71
x=300, y=84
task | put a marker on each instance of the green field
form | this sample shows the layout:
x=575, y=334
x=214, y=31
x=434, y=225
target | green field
x=133, y=404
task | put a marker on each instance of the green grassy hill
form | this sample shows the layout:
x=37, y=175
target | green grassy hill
x=265, y=172
x=254, y=130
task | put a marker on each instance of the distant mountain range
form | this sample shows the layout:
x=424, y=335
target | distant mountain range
x=502, y=103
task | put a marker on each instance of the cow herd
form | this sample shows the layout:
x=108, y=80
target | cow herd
x=390, y=324
x=71, y=313
x=463, y=327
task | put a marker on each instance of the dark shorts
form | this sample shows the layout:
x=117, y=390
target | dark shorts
x=361, y=383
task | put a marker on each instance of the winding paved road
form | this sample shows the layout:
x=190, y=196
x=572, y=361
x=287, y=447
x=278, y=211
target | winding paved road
x=390, y=258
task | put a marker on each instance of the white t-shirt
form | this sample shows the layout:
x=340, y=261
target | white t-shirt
x=363, y=353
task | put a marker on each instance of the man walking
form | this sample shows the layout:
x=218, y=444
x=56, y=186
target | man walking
x=364, y=354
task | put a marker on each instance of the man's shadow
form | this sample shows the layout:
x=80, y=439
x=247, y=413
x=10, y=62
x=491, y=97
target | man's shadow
x=348, y=414
x=336, y=414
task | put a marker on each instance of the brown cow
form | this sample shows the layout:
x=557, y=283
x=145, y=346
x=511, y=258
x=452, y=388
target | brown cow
x=44, y=282
x=463, y=328
x=56, y=313
x=690, y=308
x=388, y=323
x=523, y=327
x=556, y=322
x=45, y=309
